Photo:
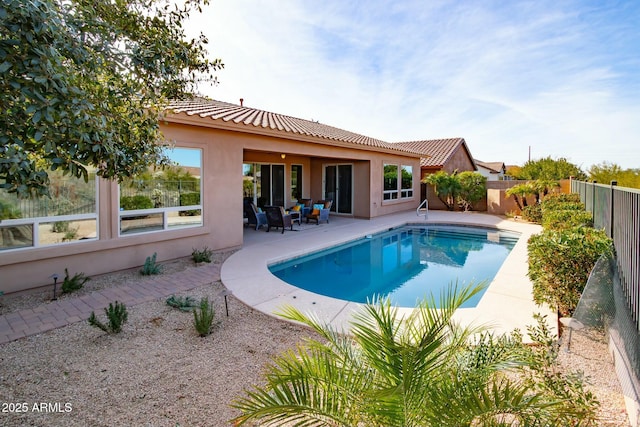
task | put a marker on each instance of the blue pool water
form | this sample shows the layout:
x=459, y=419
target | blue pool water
x=406, y=264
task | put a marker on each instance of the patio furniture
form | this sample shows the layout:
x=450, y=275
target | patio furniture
x=277, y=217
x=254, y=218
x=320, y=211
x=295, y=216
x=306, y=206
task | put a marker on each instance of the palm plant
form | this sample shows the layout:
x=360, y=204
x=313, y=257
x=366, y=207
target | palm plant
x=521, y=191
x=392, y=370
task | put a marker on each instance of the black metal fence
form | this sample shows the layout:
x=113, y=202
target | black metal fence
x=617, y=211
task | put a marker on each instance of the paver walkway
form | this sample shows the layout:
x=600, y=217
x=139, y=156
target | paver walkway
x=57, y=314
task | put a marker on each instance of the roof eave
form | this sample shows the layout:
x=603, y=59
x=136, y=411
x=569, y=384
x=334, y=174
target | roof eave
x=196, y=120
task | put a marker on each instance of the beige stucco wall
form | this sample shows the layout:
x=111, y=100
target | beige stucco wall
x=223, y=153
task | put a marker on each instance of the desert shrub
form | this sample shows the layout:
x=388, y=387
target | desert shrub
x=71, y=284
x=203, y=317
x=70, y=235
x=568, y=387
x=533, y=213
x=150, y=266
x=560, y=262
x=201, y=255
x=181, y=303
x=129, y=203
x=564, y=219
x=116, y=316
x=60, y=227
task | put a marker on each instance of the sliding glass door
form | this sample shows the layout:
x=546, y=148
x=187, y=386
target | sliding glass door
x=338, y=186
x=264, y=184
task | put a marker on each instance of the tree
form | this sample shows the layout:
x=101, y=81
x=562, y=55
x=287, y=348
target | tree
x=520, y=192
x=473, y=187
x=447, y=187
x=83, y=84
x=550, y=170
x=606, y=172
x=423, y=369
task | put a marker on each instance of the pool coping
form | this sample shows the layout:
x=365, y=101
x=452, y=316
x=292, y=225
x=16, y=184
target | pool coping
x=507, y=304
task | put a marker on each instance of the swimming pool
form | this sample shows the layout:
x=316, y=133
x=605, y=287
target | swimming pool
x=406, y=263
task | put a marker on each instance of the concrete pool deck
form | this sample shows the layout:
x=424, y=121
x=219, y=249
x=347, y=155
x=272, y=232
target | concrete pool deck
x=507, y=303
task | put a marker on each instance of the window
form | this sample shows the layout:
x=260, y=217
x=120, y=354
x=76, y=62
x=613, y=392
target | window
x=69, y=215
x=390, y=182
x=164, y=199
x=407, y=182
x=296, y=182
x=395, y=188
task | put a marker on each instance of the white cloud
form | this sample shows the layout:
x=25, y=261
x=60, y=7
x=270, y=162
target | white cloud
x=557, y=77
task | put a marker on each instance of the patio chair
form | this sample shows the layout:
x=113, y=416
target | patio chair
x=254, y=218
x=276, y=217
x=320, y=211
x=307, y=206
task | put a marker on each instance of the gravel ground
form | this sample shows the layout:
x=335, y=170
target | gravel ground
x=159, y=372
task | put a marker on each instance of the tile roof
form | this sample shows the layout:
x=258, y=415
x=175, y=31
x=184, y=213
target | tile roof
x=492, y=166
x=260, y=119
x=440, y=150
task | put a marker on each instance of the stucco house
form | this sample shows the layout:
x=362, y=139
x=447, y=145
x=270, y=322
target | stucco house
x=227, y=152
x=493, y=171
x=449, y=155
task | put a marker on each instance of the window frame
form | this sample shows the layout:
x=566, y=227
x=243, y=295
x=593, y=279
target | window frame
x=37, y=222
x=400, y=192
x=165, y=213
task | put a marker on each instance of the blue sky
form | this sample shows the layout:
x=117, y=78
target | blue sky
x=561, y=77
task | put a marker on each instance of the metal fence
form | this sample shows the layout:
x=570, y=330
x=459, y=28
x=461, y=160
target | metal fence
x=617, y=211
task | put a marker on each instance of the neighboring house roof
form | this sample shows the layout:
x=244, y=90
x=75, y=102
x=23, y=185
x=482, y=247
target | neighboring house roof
x=255, y=119
x=439, y=150
x=493, y=167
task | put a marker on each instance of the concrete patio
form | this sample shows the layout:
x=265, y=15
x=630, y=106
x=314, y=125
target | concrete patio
x=507, y=303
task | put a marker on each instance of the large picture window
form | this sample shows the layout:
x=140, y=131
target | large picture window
x=164, y=199
x=69, y=215
x=398, y=182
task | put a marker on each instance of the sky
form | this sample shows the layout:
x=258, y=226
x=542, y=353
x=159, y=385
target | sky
x=518, y=80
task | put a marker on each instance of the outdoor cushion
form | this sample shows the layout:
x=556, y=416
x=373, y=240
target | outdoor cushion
x=315, y=212
x=296, y=208
x=318, y=206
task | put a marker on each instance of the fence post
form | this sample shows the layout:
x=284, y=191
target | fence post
x=593, y=199
x=613, y=184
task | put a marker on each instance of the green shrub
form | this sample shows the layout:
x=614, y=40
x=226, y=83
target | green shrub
x=117, y=316
x=129, y=203
x=203, y=317
x=9, y=211
x=564, y=219
x=74, y=283
x=201, y=255
x=473, y=188
x=181, y=303
x=190, y=199
x=150, y=266
x=532, y=213
x=60, y=227
x=560, y=262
